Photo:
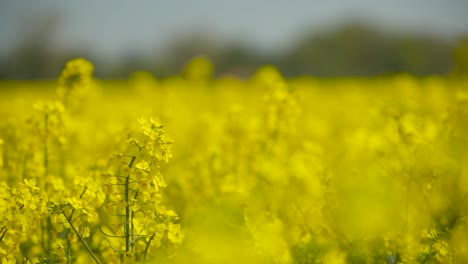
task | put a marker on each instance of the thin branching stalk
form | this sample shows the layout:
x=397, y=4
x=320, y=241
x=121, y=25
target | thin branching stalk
x=71, y=217
x=46, y=128
x=68, y=248
x=127, y=208
x=3, y=234
x=81, y=238
x=147, y=247
x=133, y=226
x=46, y=172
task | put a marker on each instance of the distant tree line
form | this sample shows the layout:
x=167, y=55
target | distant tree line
x=353, y=50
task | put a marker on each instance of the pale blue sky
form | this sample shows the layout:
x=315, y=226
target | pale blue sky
x=111, y=27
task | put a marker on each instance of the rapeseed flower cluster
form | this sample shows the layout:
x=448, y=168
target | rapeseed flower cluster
x=264, y=170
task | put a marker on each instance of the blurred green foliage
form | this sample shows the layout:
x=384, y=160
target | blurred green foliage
x=352, y=50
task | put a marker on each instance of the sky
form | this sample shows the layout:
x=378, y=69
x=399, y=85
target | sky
x=112, y=27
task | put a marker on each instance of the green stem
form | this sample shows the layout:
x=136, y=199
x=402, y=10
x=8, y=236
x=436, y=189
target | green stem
x=131, y=220
x=127, y=216
x=45, y=184
x=127, y=208
x=68, y=230
x=81, y=196
x=83, y=192
x=147, y=247
x=3, y=234
x=68, y=248
x=81, y=238
x=46, y=128
x=43, y=238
